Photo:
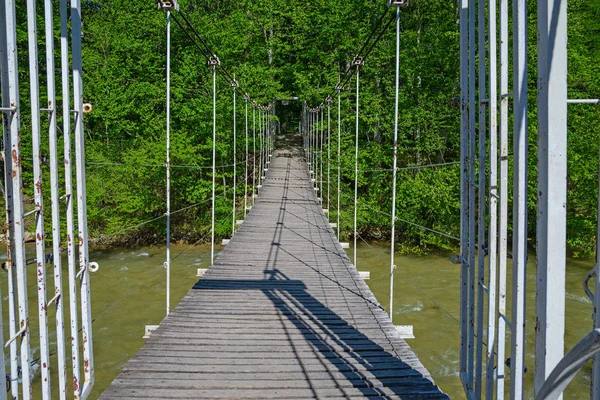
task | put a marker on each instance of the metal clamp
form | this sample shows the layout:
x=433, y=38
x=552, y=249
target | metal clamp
x=358, y=61
x=168, y=5
x=328, y=100
x=91, y=267
x=398, y=3
x=234, y=83
x=214, y=61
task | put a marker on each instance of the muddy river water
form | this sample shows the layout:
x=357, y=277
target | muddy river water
x=128, y=292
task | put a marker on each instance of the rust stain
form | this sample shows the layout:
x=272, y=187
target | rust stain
x=38, y=186
x=15, y=157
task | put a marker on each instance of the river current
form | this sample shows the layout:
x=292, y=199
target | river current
x=128, y=292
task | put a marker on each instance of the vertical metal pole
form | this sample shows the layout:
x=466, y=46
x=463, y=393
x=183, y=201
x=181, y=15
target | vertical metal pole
x=339, y=162
x=246, y=162
x=234, y=84
x=73, y=313
x=38, y=197
x=8, y=193
x=54, y=193
x=394, y=168
x=322, y=132
x=552, y=187
x=316, y=139
x=595, y=392
x=318, y=159
x=517, y=365
x=357, y=63
x=503, y=229
x=493, y=202
x=214, y=168
x=168, y=165
x=253, y=154
x=19, y=256
x=86, y=318
x=310, y=146
x=260, y=141
x=472, y=195
x=464, y=188
x=328, y=154
x=316, y=148
x=482, y=197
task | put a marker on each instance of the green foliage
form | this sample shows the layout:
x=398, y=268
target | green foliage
x=284, y=49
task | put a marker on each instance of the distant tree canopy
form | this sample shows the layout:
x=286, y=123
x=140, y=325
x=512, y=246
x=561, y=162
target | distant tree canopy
x=279, y=50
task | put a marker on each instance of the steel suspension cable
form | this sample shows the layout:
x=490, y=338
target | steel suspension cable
x=322, y=130
x=254, y=153
x=339, y=164
x=395, y=171
x=357, y=62
x=260, y=151
x=168, y=167
x=328, y=154
x=214, y=62
x=246, y=163
x=234, y=85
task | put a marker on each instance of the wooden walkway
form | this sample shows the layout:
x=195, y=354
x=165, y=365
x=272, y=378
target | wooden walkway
x=283, y=314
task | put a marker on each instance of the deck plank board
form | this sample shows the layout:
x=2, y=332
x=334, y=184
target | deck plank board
x=282, y=314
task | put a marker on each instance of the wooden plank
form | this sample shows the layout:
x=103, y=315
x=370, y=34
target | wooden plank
x=282, y=313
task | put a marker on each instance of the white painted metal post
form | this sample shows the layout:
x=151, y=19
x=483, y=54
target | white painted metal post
x=69, y=196
x=394, y=168
x=214, y=62
x=19, y=257
x=464, y=188
x=40, y=246
x=246, y=161
x=253, y=154
x=261, y=146
x=6, y=155
x=233, y=222
x=322, y=132
x=481, y=207
x=357, y=62
x=55, y=198
x=328, y=154
x=339, y=152
x=84, y=263
x=168, y=167
x=503, y=228
x=517, y=364
x=552, y=188
x=472, y=195
x=493, y=202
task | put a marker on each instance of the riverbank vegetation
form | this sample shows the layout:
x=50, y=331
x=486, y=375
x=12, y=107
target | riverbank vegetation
x=280, y=50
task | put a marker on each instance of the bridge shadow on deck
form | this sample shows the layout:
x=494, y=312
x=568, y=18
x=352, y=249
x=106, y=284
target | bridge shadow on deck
x=350, y=357
x=281, y=314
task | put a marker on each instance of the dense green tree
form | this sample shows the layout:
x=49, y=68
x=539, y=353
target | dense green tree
x=280, y=50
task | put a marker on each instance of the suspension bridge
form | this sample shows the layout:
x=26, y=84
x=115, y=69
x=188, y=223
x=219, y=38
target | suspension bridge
x=283, y=312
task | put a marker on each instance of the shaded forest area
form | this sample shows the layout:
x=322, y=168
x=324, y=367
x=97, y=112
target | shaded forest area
x=279, y=50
